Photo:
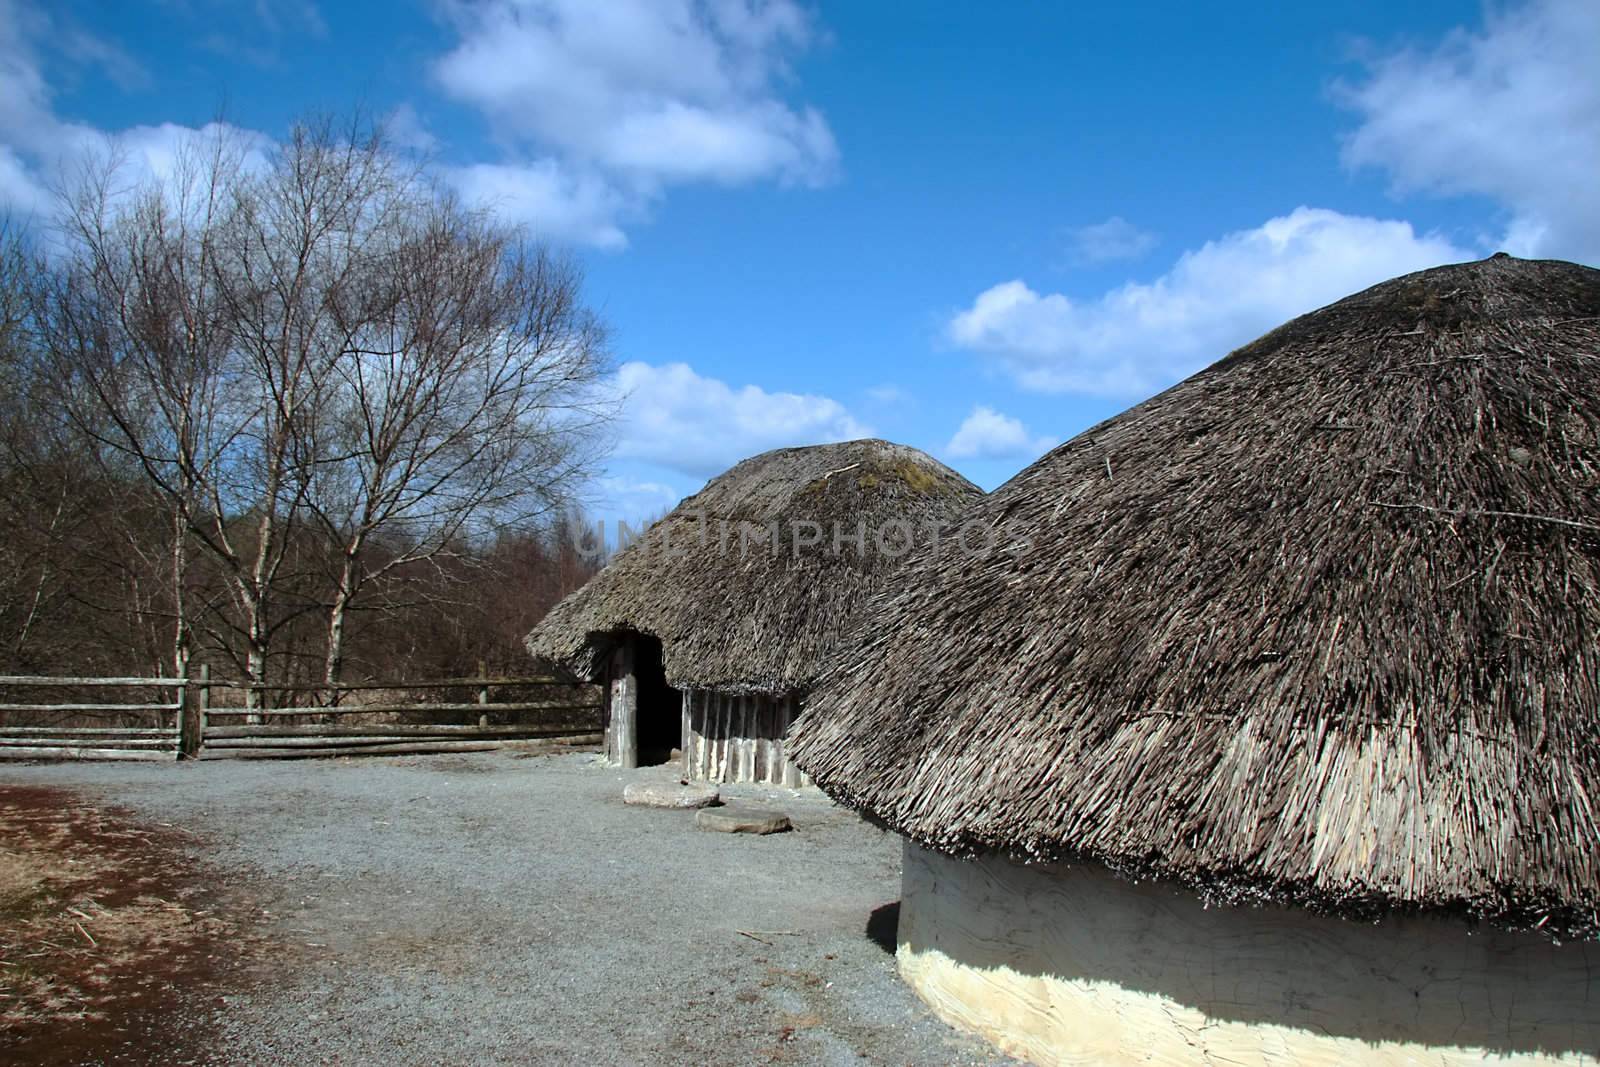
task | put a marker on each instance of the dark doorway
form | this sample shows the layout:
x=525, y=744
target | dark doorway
x=660, y=705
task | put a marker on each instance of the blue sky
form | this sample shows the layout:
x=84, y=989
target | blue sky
x=977, y=229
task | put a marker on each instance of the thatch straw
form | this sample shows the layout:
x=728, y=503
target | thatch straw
x=1318, y=624
x=730, y=613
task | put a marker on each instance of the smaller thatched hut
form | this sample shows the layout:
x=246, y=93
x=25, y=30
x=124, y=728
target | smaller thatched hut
x=707, y=630
x=1271, y=735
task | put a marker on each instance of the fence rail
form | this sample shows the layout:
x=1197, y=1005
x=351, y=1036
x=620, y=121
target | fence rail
x=442, y=683
x=378, y=709
x=190, y=727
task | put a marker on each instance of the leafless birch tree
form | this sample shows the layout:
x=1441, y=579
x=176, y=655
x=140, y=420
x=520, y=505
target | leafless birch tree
x=463, y=401
x=304, y=347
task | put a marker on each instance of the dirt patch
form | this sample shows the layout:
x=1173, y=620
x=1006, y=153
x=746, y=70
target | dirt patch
x=109, y=935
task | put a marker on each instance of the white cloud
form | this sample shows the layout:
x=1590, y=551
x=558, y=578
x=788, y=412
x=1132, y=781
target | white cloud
x=36, y=144
x=1143, y=336
x=700, y=426
x=404, y=128
x=549, y=199
x=987, y=434
x=1511, y=112
x=665, y=89
x=1104, y=242
x=21, y=194
x=25, y=118
x=600, y=108
x=636, y=96
x=622, y=497
x=888, y=394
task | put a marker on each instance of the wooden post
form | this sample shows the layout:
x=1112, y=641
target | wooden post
x=182, y=724
x=192, y=715
x=622, y=726
x=686, y=737
x=483, y=692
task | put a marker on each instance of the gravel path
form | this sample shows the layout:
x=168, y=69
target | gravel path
x=494, y=908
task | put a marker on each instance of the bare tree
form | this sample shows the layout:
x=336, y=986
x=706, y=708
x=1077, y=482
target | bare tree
x=142, y=349
x=464, y=401
x=26, y=573
x=313, y=224
x=308, y=344
x=75, y=562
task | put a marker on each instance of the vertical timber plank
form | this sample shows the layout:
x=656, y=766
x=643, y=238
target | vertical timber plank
x=622, y=698
x=736, y=738
x=759, y=740
x=686, y=738
x=747, y=739
x=629, y=734
x=794, y=713
x=697, y=734
x=791, y=773
x=702, y=709
x=724, y=724
x=772, y=762
x=726, y=727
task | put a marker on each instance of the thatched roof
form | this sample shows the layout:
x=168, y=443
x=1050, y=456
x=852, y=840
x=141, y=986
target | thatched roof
x=730, y=612
x=1320, y=624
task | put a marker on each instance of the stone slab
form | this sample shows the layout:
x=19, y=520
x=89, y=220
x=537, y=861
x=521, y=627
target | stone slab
x=669, y=795
x=742, y=819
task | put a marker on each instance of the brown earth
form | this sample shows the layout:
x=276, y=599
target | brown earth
x=111, y=936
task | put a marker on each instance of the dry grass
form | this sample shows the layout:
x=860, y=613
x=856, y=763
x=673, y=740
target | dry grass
x=104, y=926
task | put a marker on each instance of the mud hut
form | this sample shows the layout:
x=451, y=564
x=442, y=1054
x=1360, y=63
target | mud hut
x=707, y=629
x=1270, y=732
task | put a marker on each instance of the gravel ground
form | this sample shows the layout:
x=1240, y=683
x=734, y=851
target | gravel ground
x=499, y=908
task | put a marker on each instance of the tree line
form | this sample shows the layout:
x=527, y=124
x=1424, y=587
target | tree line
x=291, y=408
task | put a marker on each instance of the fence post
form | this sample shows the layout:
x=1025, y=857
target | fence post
x=483, y=692
x=192, y=715
x=205, y=708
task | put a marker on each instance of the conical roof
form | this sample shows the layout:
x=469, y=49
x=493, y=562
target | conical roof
x=1321, y=624
x=738, y=608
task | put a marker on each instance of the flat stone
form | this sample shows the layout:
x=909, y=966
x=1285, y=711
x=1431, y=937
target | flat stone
x=742, y=819
x=670, y=795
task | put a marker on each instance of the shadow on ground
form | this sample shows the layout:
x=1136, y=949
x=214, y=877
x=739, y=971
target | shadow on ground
x=883, y=927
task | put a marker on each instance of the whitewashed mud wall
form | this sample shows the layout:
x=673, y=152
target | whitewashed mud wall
x=1072, y=965
x=730, y=737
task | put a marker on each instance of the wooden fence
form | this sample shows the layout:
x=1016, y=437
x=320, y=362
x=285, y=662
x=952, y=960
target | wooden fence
x=202, y=718
x=32, y=740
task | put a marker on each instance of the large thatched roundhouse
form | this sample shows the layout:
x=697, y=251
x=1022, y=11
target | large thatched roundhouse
x=707, y=630
x=1270, y=733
